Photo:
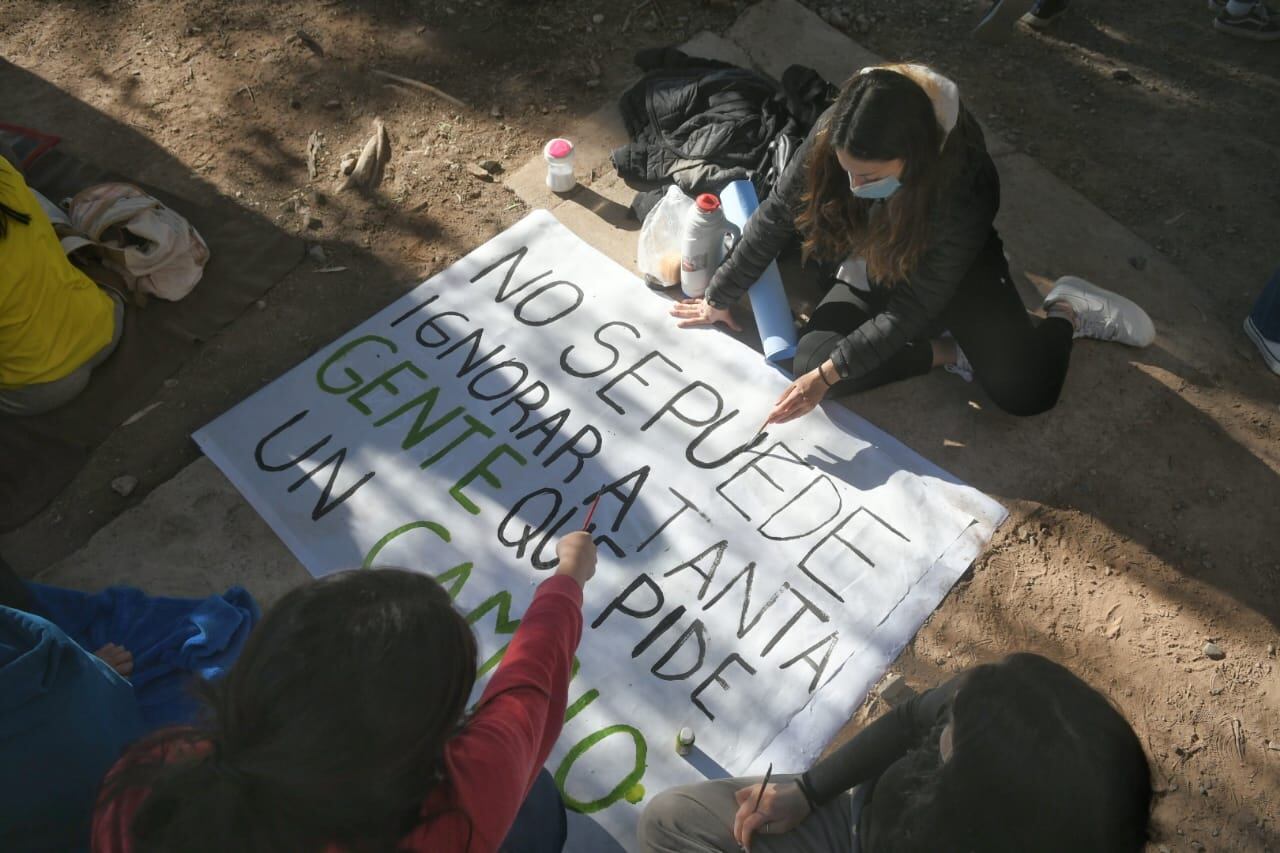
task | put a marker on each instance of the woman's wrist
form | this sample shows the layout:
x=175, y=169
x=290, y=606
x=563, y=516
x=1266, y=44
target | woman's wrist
x=806, y=790
x=822, y=373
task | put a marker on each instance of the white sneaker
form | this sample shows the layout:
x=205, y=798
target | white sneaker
x=1101, y=314
x=1270, y=349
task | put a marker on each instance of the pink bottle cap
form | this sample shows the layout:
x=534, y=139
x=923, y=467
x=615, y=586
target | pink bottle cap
x=559, y=148
x=708, y=202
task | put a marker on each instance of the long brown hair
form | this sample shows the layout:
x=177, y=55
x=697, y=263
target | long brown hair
x=881, y=114
x=330, y=728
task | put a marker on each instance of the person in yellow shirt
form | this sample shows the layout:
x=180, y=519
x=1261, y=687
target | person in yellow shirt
x=56, y=324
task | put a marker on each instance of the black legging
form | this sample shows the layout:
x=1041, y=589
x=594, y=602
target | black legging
x=1018, y=359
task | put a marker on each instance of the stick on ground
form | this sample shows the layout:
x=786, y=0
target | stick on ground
x=426, y=87
x=313, y=148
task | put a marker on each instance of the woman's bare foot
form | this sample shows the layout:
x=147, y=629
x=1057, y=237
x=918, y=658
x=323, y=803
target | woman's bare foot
x=117, y=657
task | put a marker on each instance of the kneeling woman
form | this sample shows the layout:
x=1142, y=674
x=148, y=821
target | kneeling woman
x=895, y=184
x=1004, y=758
x=343, y=727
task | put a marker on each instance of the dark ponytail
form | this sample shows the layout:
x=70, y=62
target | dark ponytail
x=330, y=728
x=194, y=799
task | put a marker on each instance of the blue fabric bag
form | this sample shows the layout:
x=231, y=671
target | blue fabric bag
x=171, y=639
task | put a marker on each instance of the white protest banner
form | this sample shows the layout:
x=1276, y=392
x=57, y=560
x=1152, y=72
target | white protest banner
x=755, y=596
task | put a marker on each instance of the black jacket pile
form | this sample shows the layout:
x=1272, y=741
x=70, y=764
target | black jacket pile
x=703, y=123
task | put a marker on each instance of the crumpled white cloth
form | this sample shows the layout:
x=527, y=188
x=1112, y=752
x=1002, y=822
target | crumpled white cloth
x=166, y=256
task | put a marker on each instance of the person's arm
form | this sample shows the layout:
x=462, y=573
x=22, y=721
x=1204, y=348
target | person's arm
x=521, y=711
x=959, y=235
x=495, y=759
x=786, y=805
x=766, y=233
x=877, y=746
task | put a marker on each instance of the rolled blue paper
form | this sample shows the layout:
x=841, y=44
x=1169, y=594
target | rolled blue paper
x=768, y=299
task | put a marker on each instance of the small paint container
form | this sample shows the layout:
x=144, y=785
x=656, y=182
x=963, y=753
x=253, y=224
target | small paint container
x=559, y=156
x=684, y=741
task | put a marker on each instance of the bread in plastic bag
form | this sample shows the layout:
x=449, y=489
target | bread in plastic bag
x=658, y=251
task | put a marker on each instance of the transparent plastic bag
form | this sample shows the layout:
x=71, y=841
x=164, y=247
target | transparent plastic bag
x=658, y=251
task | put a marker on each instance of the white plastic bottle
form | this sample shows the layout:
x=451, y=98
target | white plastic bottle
x=702, y=245
x=559, y=156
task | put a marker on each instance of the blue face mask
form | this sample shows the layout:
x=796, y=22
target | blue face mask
x=882, y=188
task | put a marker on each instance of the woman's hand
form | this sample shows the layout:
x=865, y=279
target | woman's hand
x=800, y=398
x=577, y=555
x=782, y=808
x=696, y=312
x=117, y=657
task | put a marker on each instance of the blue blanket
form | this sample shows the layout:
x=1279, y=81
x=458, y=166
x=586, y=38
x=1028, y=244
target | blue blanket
x=171, y=639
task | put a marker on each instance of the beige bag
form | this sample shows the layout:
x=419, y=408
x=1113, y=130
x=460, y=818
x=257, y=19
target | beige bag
x=155, y=250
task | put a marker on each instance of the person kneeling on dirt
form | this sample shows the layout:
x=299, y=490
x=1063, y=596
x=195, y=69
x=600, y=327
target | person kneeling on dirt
x=1009, y=757
x=56, y=325
x=344, y=726
x=895, y=185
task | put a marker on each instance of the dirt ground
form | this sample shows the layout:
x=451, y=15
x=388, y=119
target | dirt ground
x=1140, y=106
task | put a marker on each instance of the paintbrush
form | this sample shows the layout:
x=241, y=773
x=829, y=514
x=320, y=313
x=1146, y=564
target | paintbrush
x=586, y=524
x=755, y=441
x=760, y=796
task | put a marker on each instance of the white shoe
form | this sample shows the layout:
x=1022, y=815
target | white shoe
x=1101, y=314
x=1270, y=349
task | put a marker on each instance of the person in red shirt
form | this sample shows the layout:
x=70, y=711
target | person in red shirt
x=343, y=727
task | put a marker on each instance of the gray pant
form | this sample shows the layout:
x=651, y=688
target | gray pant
x=46, y=396
x=699, y=819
